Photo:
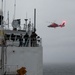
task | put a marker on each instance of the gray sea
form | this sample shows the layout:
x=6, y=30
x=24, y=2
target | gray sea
x=59, y=69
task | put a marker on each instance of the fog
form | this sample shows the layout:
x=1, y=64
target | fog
x=58, y=43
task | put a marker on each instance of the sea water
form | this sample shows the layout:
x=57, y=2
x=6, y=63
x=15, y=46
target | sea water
x=59, y=69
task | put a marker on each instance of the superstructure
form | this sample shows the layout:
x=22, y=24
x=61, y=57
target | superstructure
x=21, y=50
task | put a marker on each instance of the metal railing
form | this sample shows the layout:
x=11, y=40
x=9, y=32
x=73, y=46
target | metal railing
x=29, y=42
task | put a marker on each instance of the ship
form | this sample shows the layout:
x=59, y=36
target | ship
x=21, y=51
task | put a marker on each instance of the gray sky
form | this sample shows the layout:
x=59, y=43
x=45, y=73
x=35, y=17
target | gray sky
x=58, y=43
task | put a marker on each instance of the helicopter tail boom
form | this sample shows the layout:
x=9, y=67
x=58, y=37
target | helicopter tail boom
x=63, y=24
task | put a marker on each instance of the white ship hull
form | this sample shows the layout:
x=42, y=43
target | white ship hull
x=29, y=57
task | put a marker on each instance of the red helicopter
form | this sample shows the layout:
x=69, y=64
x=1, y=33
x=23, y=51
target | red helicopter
x=54, y=25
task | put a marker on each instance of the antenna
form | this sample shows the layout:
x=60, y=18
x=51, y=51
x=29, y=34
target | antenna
x=14, y=9
x=2, y=14
x=29, y=26
x=8, y=19
x=4, y=10
x=34, y=20
x=25, y=25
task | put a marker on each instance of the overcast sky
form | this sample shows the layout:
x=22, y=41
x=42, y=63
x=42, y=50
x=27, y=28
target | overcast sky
x=58, y=43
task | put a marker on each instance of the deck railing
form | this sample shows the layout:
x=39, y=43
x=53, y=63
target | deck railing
x=25, y=43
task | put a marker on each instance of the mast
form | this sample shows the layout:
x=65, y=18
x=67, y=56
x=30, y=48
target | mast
x=8, y=19
x=4, y=10
x=2, y=14
x=25, y=25
x=2, y=40
x=14, y=9
x=34, y=20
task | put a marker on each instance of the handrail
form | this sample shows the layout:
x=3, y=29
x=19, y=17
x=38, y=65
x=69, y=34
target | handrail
x=29, y=42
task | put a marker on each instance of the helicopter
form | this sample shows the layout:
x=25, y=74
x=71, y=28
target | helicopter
x=54, y=25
